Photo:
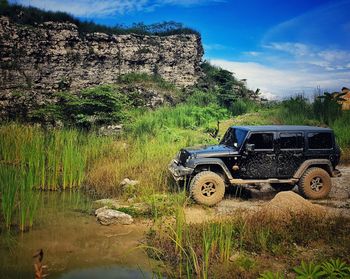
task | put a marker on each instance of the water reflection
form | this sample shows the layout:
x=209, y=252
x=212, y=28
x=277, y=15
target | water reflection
x=106, y=273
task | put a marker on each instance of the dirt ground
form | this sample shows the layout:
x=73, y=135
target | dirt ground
x=253, y=199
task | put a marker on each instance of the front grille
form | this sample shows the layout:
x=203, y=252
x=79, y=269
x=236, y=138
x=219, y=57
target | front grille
x=183, y=157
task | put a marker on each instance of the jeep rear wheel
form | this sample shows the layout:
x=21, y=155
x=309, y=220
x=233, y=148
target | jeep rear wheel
x=315, y=184
x=207, y=188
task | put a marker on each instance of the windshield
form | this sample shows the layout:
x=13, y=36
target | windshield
x=234, y=137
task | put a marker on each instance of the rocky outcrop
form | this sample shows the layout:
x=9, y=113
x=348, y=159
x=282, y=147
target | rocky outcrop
x=53, y=56
x=37, y=61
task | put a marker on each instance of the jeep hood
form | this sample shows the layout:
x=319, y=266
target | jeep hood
x=209, y=151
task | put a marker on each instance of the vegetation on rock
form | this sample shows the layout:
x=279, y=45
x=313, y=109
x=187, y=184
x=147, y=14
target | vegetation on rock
x=32, y=16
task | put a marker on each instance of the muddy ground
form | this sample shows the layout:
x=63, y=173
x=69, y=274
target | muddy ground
x=253, y=199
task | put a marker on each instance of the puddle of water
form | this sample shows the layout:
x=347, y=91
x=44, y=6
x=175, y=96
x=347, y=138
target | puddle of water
x=73, y=241
x=107, y=273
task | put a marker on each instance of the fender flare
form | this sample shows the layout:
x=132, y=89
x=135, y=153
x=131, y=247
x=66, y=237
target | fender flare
x=313, y=162
x=210, y=161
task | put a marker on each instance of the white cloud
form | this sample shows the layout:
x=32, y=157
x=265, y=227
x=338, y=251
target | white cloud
x=279, y=83
x=303, y=56
x=99, y=8
x=252, y=53
x=297, y=56
x=297, y=49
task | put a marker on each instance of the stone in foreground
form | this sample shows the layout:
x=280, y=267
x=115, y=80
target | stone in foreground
x=108, y=217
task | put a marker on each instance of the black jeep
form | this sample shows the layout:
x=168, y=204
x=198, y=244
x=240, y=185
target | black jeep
x=281, y=155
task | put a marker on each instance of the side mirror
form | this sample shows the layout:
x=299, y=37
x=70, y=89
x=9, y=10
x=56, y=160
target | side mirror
x=250, y=147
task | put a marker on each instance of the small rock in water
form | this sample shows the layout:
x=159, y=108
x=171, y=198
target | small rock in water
x=110, y=216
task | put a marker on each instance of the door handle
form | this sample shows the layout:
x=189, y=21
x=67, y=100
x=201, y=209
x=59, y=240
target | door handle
x=270, y=155
x=298, y=155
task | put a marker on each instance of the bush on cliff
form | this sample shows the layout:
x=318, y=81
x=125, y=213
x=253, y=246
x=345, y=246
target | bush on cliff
x=222, y=87
x=32, y=16
x=88, y=108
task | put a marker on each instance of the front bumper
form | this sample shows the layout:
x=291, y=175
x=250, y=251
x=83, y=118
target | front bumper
x=179, y=172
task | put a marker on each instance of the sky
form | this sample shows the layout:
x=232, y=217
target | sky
x=281, y=47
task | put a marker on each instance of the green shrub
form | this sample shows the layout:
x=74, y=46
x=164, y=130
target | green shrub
x=154, y=79
x=296, y=111
x=327, y=108
x=32, y=16
x=201, y=98
x=336, y=269
x=308, y=271
x=85, y=109
x=223, y=85
x=341, y=127
x=241, y=106
x=151, y=123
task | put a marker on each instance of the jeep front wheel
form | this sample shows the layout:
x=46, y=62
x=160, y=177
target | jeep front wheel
x=315, y=184
x=207, y=188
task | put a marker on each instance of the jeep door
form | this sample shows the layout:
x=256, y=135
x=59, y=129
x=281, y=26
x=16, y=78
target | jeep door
x=290, y=153
x=259, y=161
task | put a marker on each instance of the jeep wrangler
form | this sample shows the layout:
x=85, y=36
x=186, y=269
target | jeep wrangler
x=281, y=155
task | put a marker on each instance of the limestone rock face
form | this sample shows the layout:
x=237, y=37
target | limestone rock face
x=53, y=57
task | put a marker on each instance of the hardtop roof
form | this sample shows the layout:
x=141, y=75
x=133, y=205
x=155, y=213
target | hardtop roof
x=278, y=128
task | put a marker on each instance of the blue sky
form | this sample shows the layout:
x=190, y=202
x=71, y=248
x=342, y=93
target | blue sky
x=281, y=47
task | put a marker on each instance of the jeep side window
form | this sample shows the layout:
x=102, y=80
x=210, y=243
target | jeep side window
x=320, y=140
x=291, y=141
x=261, y=140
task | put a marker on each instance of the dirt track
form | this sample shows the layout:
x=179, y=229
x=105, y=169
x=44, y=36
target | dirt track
x=253, y=199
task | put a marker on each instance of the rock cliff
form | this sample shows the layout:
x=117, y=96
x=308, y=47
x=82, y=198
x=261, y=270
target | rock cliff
x=53, y=56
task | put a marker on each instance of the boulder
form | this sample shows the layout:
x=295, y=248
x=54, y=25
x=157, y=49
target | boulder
x=108, y=217
x=109, y=203
x=128, y=182
x=129, y=187
x=100, y=210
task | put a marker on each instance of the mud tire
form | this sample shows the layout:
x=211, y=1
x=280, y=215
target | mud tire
x=315, y=184
x=282, y=186
x=207, y=188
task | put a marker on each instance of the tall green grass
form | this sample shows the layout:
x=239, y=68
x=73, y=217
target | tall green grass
x=203, y=250
x=31, y=158
x=150, y=141
x=320, y=112
x=165, y=119
x=54, y=159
